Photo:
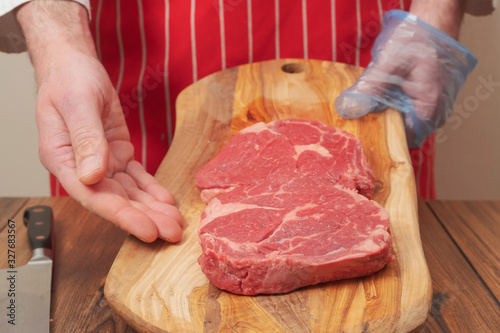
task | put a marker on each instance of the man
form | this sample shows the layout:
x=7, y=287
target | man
x=153, y=49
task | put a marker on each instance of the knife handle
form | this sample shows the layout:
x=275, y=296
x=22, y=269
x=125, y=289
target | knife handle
x=38, y=219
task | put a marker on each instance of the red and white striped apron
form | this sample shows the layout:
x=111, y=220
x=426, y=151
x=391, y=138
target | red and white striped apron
x=153, y=49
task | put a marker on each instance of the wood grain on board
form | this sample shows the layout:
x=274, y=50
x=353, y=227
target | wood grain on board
x=160, y=287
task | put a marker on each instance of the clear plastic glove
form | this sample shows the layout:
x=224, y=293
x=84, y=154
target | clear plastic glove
x=416, y=69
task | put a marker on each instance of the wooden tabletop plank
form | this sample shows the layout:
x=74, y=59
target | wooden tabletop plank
x=84, y=247
x=475, y=227
x=12, y=209
x=461, y=302
x=8, y=208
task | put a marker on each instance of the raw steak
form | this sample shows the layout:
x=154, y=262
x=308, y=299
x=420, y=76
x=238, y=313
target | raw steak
x=280, y=216
x=280, y=148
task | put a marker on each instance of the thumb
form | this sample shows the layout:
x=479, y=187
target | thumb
x=378, y=87
x=89, y=143
x=352, y=103
x=369, y=93
x=90, y=150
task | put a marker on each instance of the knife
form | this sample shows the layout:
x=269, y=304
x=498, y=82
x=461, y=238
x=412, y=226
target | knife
x=32, y=283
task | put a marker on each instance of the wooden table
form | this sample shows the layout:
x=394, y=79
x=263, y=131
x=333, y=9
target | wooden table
x=461, y=242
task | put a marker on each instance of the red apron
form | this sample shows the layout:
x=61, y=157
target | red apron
x=153, y=49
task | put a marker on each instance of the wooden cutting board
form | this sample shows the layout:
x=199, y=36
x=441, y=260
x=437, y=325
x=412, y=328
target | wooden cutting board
x=160, y=287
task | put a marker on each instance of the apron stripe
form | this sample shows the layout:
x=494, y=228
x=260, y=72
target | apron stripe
x=180, y=65
x=120, y=47
x=193, y=40
x=109, y=47
x=290, y=30
x=304, y=29
x=129, y=93
x=140, y=94
x=207, y=38
x=380, y=10
x=345, y=16
x=358, y=32
x=277, y=28
x=237, y=38
x=370, y=28
x=250, y=31
x=166, y=85
x=334, y=30
x=97, y=30
x=222, y=34
x=417, y=168
x=320, y=30
x=265, y=33
x=155, y=129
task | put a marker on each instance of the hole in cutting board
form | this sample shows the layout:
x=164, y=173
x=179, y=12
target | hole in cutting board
x=293, y=68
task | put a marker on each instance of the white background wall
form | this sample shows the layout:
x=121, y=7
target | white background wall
x=467, y=156
x=468, y=161
x=21, y=173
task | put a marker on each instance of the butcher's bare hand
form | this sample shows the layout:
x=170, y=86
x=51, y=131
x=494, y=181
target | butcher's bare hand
x=83, y=136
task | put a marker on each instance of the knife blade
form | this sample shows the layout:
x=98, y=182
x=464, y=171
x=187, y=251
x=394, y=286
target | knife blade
x=32, y=282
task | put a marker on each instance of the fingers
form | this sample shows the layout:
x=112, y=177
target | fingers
x=167, y=221
x=119, y=201
x=418, y=127
x=129, y=218
x=109, y=200
x=148, y=183
x=82, y=115
x=353, y=104
x=167, y=218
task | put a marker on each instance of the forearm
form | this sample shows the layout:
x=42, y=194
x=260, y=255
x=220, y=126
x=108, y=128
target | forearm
x=52, y=26
x=446, y=15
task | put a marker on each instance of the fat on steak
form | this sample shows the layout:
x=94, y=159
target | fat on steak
x=289, y=206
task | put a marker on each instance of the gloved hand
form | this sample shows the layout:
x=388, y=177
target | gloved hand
x=416, y=69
